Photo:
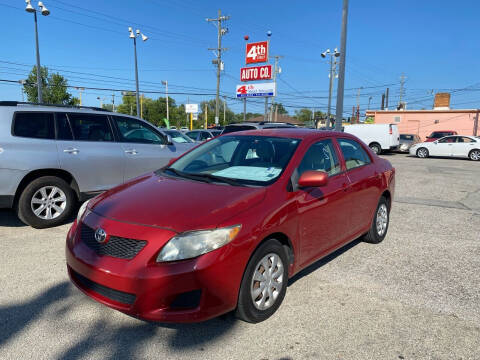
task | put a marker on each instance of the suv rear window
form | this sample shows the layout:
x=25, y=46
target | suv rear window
x=235, y=128
x=38, y=125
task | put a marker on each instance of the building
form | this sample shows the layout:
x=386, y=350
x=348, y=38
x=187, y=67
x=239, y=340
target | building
x=424, y=122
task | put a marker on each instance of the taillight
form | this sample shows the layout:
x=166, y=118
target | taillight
x=390, y=130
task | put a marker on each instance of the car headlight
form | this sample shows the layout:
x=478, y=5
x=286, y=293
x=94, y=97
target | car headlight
x=195, y=243
x=82, y=210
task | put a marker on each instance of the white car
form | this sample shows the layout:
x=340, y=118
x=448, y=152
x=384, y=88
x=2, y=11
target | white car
x=462, y=146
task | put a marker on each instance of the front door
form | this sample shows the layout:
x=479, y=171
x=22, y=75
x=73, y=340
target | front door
x=145, y=149
x=324, y=213
x=87, y=150
x=442, y=147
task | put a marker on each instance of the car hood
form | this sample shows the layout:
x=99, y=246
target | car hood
x=174, y=203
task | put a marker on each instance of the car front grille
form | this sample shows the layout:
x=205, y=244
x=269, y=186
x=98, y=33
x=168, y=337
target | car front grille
x=117, y=247
x=112, y=294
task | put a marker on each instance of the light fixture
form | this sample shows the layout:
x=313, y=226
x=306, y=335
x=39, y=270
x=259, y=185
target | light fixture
x=29, y=7
x=144, y=37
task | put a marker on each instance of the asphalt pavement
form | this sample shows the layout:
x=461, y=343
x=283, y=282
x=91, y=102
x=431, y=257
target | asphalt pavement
x=414, y=296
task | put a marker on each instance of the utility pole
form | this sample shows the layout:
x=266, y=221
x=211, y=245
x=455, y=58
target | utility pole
x=369, y=100
x=276, y=71
x=331, y=75
x=218, y=52
x=22, y=83
x=224, y=110
x=382, y=107
x=166, y=95
x=188, y=102
x=206, y=116
x=80, y=90
x=133, y=35
x=341, y=72
x=358, y=103
x=113, y=102
x=244, y=109
x=475, y=124
x=265, y=117
x=402, y=89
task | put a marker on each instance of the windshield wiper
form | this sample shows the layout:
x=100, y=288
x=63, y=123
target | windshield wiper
x=225, y=180
x=187, y=175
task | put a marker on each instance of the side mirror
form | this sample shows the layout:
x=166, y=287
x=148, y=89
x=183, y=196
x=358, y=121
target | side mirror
x=169, y=140
x=312, y=178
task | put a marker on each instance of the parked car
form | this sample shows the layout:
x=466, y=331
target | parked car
x=439, y=134
x=173, y=127
x=184, y=129
x=379, y=137
x=407, y=140
x=252, y=126
x=177, y=136
x=202, y=135
x=226, y=225
x=51, y=157
x=461, y=146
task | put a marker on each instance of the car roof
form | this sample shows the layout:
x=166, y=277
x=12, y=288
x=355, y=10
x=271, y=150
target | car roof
x=298, y=133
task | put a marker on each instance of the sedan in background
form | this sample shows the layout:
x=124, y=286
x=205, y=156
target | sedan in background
x=407, y=140
x=203, y=135
x=461, y=146
x=223, y=227
x=439, y=134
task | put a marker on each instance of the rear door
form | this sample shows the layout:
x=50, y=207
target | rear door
x=144, y=148
x=365, y=184
x=87, y=149
x=462, y=146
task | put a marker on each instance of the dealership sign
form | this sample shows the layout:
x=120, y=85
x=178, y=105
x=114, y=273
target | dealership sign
x=191, y=108
x=254, y=90
x=263, y=72
x=257, y=52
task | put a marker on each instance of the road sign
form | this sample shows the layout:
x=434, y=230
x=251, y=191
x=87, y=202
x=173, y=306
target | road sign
x=263, y=72
x=257, y=52
x=195, y=116
x=255, y=90
x=191, y=108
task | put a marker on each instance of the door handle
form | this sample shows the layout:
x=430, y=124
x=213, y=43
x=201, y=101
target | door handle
x=131, y=152
x=71, y=151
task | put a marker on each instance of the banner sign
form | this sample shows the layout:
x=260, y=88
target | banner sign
x=191, y=108
x=257, y=52
x=263, y=72
x=255, y=90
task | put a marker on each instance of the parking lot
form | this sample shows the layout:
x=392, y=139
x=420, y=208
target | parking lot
x=415, y=295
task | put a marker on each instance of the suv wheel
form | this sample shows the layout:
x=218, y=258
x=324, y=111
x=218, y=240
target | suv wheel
x=45, y=202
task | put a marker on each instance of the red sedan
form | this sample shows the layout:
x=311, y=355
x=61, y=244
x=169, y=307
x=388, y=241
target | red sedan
x=226, y=225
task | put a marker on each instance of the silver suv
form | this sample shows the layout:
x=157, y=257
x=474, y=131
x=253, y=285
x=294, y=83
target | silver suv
x=51, y=157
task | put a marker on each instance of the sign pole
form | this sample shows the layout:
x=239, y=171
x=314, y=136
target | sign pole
x=266, y=109
x=206, y=116
x=244, y=109
x=191, y=121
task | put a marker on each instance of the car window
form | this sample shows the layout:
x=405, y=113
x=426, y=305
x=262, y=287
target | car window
x=235, y=128
x=38, y=125
x=464, y=139
x=406, y=137
x=90, y=127
x=205, y=135
x=320, y=156
x=192, y=135
x=178, y=137
x=64, y=131
x=135, y=131
x=449, y=139
x=353, y=153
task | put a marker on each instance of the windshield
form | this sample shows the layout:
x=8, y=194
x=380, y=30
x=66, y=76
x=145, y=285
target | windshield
x=438, y=134
x=178, y=137
x=247, y=160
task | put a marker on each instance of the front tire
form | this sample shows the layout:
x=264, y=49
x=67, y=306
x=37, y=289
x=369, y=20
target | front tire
x=45, y=202
x=380, y=222
x=474, y=155
x=422, y=153
x=264, y=283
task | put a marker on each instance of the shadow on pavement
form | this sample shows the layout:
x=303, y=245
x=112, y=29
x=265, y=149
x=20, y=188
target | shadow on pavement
x=9, y=218
x=15, y=318
x=316, y=265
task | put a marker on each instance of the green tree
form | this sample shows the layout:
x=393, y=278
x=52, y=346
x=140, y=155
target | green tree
x=281, y=109
x=303, y=115
x=54, y=88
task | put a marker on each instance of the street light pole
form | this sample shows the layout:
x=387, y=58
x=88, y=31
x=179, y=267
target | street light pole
x=45, y=12
x=341, y=70
x=134, y=37
x=333, y=65
x=165, y=82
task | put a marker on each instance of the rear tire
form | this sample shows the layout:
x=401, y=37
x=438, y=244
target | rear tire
x=45, y=202
x=422, y=153
x=380, y=222
x=474, y=155
x=263, y=286
x=376, y=148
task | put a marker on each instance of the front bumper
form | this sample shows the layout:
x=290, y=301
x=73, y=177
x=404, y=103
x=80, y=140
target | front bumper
x=184, y=291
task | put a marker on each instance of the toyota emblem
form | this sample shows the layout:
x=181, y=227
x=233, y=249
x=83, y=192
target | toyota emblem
x=100, y=235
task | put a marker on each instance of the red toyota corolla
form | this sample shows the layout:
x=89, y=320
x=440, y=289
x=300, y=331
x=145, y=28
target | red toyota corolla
x=226, y=225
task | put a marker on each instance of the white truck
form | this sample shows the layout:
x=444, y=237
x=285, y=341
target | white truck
x=379, y=137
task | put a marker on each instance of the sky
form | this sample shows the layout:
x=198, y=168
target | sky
x=433, y=43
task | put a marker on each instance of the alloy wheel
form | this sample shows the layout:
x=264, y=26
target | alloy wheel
x=48, y=202
x=422, y=153
x=475, y=155
x=382, y=219
x=267, y=281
